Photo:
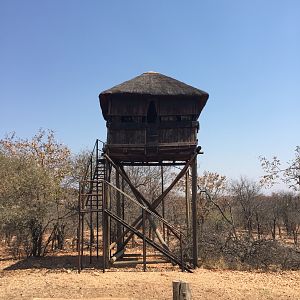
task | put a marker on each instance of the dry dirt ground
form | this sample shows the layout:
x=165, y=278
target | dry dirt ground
x=57, y=277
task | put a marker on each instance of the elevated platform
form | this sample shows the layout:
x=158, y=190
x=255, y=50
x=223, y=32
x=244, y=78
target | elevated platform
x=150, y=153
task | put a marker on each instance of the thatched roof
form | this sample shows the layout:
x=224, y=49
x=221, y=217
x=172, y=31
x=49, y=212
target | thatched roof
x=152, y=84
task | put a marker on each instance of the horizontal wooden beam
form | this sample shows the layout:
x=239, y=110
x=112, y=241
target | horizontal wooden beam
x=150, y=164
x=162, y=125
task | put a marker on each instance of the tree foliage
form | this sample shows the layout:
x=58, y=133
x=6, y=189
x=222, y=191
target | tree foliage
x=275, y=171
x=34, y=196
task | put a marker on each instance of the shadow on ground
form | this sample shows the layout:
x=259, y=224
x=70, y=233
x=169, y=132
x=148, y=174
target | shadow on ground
x=55, y=263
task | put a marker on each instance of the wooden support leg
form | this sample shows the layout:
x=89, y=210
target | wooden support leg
x=91, y=214
x=163, y=200
x=144, y=240
x=79, y=232
x=104, y=229
x=109, y=220
x=123, y=208
x=106, y=221
x=194, y=213
x=79, y=243
x=97, y=201
x=82, y=237
x=187, y=202
x=119, y=211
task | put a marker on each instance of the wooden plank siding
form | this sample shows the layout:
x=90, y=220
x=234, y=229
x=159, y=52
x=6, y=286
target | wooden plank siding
x=127, y=136
x=156, y=142
x=175, y=135
x=163, y=135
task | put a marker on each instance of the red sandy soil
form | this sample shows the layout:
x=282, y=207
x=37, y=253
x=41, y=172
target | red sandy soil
x=57, y=277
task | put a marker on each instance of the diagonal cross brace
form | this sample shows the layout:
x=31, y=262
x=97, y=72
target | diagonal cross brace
x=142, y=200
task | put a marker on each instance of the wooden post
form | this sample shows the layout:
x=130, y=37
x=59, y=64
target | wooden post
x=123, y=207
x=79, y=244
x=194, y=213
x=106, y=221
x=119, y=212
x=187, y=203
x=104, y=227
x=97, y=198
x=79, y=231
x=109, y=222
x=181, y=253
x=181, y=290
x=144, y=240
x=91, y=214
x=82, y=236
x=163, y=200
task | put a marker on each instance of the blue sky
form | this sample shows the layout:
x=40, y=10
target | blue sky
x=57, y=56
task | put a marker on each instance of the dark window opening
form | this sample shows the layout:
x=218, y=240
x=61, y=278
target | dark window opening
x=151, y=114
x=168, y=118
x=177, y=118
x=133, y=119
x=187, y=118
x=126, y=119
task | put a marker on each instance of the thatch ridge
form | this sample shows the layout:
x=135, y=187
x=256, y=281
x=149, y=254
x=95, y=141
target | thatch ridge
x=155, y=84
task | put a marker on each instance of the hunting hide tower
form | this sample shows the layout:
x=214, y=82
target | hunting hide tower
x=151, y=120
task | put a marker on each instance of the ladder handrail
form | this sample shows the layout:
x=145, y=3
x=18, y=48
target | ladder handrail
x=92, y=155
x=89, y=162
x=89, y=168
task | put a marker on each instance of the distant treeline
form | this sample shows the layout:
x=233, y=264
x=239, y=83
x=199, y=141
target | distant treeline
x=239, y=227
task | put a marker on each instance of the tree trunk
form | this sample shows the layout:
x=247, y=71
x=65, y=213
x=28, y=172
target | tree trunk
x=274, y=230
x=36, y=238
